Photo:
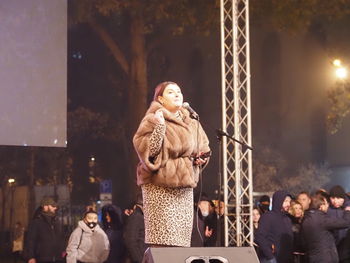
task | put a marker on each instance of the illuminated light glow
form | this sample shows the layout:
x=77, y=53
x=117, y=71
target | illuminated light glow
x=337, y=62
x=11, y=180
x=93, y=159
x=55, y=141
x=341, y=73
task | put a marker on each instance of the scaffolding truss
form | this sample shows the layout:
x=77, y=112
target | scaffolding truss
x=236, y=122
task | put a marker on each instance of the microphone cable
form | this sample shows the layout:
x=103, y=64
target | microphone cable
x=200, y=177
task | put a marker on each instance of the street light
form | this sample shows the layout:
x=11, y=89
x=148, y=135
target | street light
x=340, y=71
x=337, y=62
x=11, y=181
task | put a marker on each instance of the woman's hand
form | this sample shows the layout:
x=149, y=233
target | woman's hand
x=208, y=232
x=159, y=117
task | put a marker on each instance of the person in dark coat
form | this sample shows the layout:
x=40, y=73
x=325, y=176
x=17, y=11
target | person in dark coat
x=200, y=228
x=214, y=222
x=297, y=213
x=134, y=233
x=113, y=226
x=338, y=200
x=274, y=235
x=44, y=241
x=316, y=231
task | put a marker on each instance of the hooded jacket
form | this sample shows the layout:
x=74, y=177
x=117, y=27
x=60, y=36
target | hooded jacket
x=86, y=245
x=173, y=167
x=114, y=232
x=275, y=230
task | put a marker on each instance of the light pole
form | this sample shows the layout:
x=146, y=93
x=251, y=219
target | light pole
x=12, y=185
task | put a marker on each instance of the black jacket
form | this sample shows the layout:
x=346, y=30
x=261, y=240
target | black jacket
x=134, y=235
x=198, y=229
x=341, y=236
x=275, y=230
x=319, y=241
x=114, y=232
x=44, y=240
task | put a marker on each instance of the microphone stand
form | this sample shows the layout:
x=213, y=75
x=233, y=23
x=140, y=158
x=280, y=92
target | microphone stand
x=219, y=134
x=219, y=196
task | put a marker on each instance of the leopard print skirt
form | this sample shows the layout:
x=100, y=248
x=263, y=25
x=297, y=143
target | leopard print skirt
x=168, y=214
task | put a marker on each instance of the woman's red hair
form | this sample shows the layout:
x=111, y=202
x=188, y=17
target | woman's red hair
x=160, y=89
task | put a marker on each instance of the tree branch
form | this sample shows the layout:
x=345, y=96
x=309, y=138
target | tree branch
x=111, y=44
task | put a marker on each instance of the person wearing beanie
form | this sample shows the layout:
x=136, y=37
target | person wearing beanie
x=44, y=241
x=338, y=200
x=264, y=204
x=88, y=243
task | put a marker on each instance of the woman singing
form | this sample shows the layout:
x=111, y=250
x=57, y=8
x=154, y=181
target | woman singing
x=172, y=150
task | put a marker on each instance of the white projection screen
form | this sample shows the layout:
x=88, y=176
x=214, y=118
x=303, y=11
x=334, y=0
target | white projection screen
x=33, y=74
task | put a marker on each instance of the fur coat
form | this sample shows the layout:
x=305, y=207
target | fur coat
x=173, y=166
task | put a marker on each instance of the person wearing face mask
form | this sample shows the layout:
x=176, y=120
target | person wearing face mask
x=264, y=204
x=173, y=149
x=88, y=243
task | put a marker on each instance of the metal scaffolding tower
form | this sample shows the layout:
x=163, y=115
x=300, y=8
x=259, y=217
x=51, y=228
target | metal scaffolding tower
x=236, y=122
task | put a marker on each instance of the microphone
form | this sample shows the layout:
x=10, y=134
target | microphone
x=192, y=112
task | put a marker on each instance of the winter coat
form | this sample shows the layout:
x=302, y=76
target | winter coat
x=316, y=233
x=114, y=232
x=297, y=239
x=173, y=167
x=44, y=240
x=216, y=224
x=86, y=245
x=341, y=236
x=134, y=235
x=198, y=229
x=275, y=230
x=338, y=234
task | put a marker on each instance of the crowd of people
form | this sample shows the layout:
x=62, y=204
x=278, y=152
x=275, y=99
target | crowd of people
x=304, y=228
x=290, y=229
x=119, y=237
